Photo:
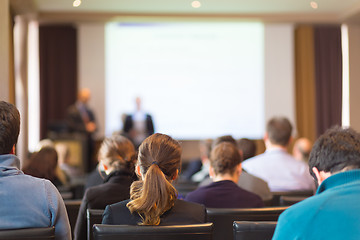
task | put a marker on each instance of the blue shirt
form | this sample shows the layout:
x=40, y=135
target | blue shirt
x=333, y=213
x=29, y=202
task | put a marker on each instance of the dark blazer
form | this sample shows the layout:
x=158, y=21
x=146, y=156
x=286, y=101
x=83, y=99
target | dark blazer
x=128, y=125
x=224, y=194
x=74, y=120
x=115, y=189
x=181, y=213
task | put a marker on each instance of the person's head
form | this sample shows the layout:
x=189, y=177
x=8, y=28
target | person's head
x=205, y=149
x=9, y=127
x=158, y=164
x=278, y=131
x=117, y=153
x=248, y=148
x=43, y=164
x=302, y=149
x=225, y=138
x=337, y=150
x=84, y=95
x=225, y=159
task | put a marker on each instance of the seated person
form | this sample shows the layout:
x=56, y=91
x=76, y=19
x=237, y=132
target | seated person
x=117, y=156
x=276, y=166
x=333, y=213
x=43, y=164
x=246, y=181
x=26, y=201
x=153, y=199
x=225, y=169
x=301, y=150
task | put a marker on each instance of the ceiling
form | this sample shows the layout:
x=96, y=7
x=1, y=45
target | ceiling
x=265, y=10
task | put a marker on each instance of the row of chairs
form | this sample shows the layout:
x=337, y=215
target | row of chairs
x=222, y=219
x=241, y=231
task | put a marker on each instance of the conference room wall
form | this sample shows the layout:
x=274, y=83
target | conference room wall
x=278, y=68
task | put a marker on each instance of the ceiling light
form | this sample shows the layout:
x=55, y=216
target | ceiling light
x=196, y=4
x=314, y=5
x=76, y=3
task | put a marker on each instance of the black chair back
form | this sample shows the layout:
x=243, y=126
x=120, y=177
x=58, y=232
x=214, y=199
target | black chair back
x=223, y=218
x=244, y=230
x=47, y=233
x=278, y=195
x=72, y=208
x=290, y=200
x=93, y=216
x=175, y=232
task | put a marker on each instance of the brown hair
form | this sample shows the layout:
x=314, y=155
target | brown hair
x=224, y=158
x=159, y=160
x=117, y=152
x=9, y=127
x=43, y=164
x=248, y=147
x=279, y=130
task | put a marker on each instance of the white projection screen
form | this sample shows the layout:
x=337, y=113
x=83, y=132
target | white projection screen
x=197, y=80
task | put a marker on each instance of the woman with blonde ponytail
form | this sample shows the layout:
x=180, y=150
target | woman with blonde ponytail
x=117, y=156
x=153, y=199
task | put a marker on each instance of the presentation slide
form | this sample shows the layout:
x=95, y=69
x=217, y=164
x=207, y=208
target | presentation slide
x=197, y=80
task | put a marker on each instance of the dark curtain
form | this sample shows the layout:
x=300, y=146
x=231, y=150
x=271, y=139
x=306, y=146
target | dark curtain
x=58, y=74
x=328, y=77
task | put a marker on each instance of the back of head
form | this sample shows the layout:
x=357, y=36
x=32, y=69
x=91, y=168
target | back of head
x=9, y=127
x=338, y=149
x=117, y=152
x=248, y=147
x=43, y=164
x=224, y=158
x=302, y=149
x=279, y=131
x=159, y=161
x=225, y=138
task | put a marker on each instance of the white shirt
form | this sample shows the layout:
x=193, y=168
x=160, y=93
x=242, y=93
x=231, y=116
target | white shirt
x=280, y=170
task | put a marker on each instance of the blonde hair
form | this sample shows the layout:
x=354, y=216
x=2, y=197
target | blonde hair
x=159, y=161
x=117, y=152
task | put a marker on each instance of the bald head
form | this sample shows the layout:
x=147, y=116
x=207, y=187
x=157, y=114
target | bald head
x=84, y=95
x=302, y=149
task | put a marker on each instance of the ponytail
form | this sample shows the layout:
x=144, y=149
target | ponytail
x=152, y=197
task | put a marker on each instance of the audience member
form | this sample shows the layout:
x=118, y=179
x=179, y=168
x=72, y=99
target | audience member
x=205, y=149
x=246, y=181
x=81, y=119
x=277, y=167
x=302, y=149
x=138, y=125
x=153, y=199
x=117, y=156
x=64, y=161
x=248, y=148
x=333, y=213
x=26, y=201
x=225, y=169
x=43, y=164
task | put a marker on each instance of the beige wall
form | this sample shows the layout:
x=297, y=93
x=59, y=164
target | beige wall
x=4, y=50
x=354, y=75
x=91, y=68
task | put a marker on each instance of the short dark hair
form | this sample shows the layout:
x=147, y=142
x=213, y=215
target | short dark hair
x=279, y=130
x=225, y=138
x=224, y=158
x=248, y=147
x=337, y=149
x=9, y=127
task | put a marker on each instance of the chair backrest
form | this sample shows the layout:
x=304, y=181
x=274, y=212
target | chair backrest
x=47, y=233
x=290, y=200
x=223, y=218
x=175, y=232
x=93, y=216
x=244, y=230
x=278, y=195
x=72, y=208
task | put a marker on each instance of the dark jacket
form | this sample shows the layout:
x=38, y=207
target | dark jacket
x=181, y=213
x=115, y=189
x=224, y=194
